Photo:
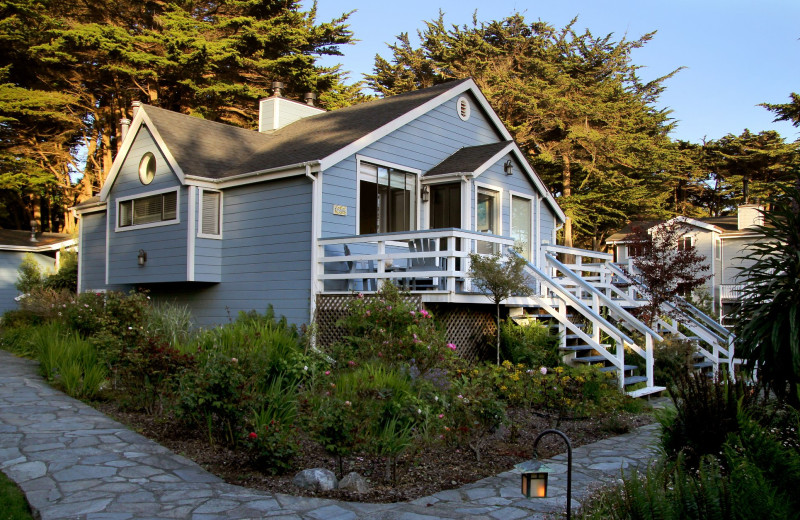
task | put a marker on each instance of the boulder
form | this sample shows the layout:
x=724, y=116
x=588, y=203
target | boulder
x=354, y=482
x=316, y=479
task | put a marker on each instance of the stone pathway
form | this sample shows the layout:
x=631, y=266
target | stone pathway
x=73, y=462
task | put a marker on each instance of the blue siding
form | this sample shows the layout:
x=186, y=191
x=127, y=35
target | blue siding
x=9, y=263
x=92, y=252
x=421, y=144
x=266, y=256
x=166, y=245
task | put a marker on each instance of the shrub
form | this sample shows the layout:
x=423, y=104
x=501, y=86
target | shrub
x=390, y=328
x=673, y=358
x=706, y=411
x=171, y=322
x=66, y=278
x=68, y=361
x=44, y=304
x=29, y=274
x=531, y=344
x=272, y=440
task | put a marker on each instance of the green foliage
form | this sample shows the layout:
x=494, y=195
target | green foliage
x=498, y=278
x=767, y=321
x=673, y=358
x=706, y=411
x=12, y=501
x=68, y=361
x=389, y=328
x=531, y=344
x=272, y=440
x=171, y=322
x=29, y=274
x=786, y=111
x=336, y=428
x=66, y=278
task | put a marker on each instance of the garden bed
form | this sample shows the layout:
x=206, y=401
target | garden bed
x=420, y=473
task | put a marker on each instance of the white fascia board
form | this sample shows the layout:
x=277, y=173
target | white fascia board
x=538, y=183
x=94, y=208
x=40, y=249
x=141, y=119
x=469, y=85
x=694, y=222
x=444, y=178
x=496, y=157
x=271, y=174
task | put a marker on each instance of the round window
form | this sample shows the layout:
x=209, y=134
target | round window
x=147, y=168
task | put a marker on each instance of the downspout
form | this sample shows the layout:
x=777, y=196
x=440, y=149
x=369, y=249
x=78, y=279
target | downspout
x=316, y=208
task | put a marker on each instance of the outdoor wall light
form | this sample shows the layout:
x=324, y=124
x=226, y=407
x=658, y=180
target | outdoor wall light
x=534, y=478
x=34, y=229
x=142, y=258
x=508, y=167
x=426, y=193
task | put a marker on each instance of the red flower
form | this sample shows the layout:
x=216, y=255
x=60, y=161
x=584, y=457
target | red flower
x=252, y=435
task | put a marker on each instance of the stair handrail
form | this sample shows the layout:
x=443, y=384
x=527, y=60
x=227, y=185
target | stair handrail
x=705, y=318
x=587, y=311
x=608, y=302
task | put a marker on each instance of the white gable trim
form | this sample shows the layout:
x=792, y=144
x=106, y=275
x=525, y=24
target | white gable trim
x=141, y=119
x=409, y=116
x=693, y=222
x=496, y=157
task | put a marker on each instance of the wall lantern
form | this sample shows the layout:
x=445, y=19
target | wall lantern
x=426, y=193
x=508, y=167
x=142, y=258
x=34, y=230
x=534, y=478
x=534, y=473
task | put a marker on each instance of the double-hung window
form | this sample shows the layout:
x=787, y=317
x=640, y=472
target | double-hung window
x=151, y=209
x=210, y=214
x=387, y=199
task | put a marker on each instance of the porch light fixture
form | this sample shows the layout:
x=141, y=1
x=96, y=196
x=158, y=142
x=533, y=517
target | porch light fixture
x=508, y=167
x=534, y=474
x=426, y=193
x=142, y=258
x=34, y=229
x=534, y=478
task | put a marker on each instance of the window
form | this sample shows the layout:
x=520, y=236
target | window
x=148, y=210
x=210, y=213
x=147, y=168
x=718, y=249
x=387, y=199
x=487, y=218
x=521, y=225
x=684, y=243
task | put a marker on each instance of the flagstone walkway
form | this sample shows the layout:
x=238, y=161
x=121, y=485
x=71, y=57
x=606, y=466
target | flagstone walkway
x=74, y=462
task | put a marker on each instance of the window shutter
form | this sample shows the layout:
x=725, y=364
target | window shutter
x=210, y=213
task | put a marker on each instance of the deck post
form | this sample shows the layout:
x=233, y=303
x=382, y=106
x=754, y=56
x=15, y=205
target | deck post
x=649, y=359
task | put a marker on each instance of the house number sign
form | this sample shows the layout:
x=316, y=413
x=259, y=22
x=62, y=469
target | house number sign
x=340, y=210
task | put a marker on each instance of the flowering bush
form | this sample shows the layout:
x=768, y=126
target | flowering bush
x=473, y=413
x=390, y=328
x=273, y=445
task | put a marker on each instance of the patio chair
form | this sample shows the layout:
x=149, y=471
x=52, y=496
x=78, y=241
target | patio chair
x=362, y=266
x=419, y=245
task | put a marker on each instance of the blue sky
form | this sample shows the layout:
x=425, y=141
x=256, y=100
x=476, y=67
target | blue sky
x=736, y=53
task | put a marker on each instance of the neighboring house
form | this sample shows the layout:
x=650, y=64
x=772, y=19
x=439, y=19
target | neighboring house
x=14, y=245
x=721, y=240
x=316, y=205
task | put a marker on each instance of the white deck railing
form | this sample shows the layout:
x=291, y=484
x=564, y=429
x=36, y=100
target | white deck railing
x=730, y=292
x=425, y=260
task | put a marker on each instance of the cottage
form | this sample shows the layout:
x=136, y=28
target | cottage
x=316, y=205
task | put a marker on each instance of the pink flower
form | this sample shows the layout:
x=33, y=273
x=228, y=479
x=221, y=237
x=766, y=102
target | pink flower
x=351, y=363
x=347, y=403
x=327, y=372
x=252, y=435
x=369, y=312
x=425, y=314
x=543, y=370
x=234, y=360
x=451, y=346
x=441, y=416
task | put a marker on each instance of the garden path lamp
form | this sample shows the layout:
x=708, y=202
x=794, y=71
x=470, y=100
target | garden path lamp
x=534, y=478
x=534, y=473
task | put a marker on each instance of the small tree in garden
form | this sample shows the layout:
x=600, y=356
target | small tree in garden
x=768, y=318
x=498, y=278
x=667, y=265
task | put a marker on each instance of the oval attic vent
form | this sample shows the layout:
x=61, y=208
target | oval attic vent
x=463, y=108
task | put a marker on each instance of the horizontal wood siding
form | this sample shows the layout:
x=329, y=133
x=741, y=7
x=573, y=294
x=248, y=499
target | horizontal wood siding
x=208, y=260
x=166, y=245
x=9, y=274
x=420, y=144
x=92, y=252
x=266, y=256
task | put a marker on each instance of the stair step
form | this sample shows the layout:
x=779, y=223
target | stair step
x=590, y=359
x=642, y=392
x=703, y=364
x=612, y=368
x=632, y=380
x=577, y=348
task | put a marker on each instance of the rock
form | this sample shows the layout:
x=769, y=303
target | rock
x=316, y=479
x=354, y=482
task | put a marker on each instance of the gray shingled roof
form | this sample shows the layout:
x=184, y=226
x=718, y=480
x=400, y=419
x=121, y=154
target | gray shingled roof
x=17, y=238
x=467, y=160
x=206, y=149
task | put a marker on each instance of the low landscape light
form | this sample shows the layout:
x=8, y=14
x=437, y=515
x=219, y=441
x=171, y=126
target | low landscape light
x=534, y=478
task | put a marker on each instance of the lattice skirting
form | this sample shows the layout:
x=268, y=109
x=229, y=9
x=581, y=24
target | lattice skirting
x=467, y=326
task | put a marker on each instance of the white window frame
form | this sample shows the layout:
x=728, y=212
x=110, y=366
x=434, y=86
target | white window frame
x=200, y=233
x=534, y=231
x=387, y=164
x=176, y=220
x=499, y=212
